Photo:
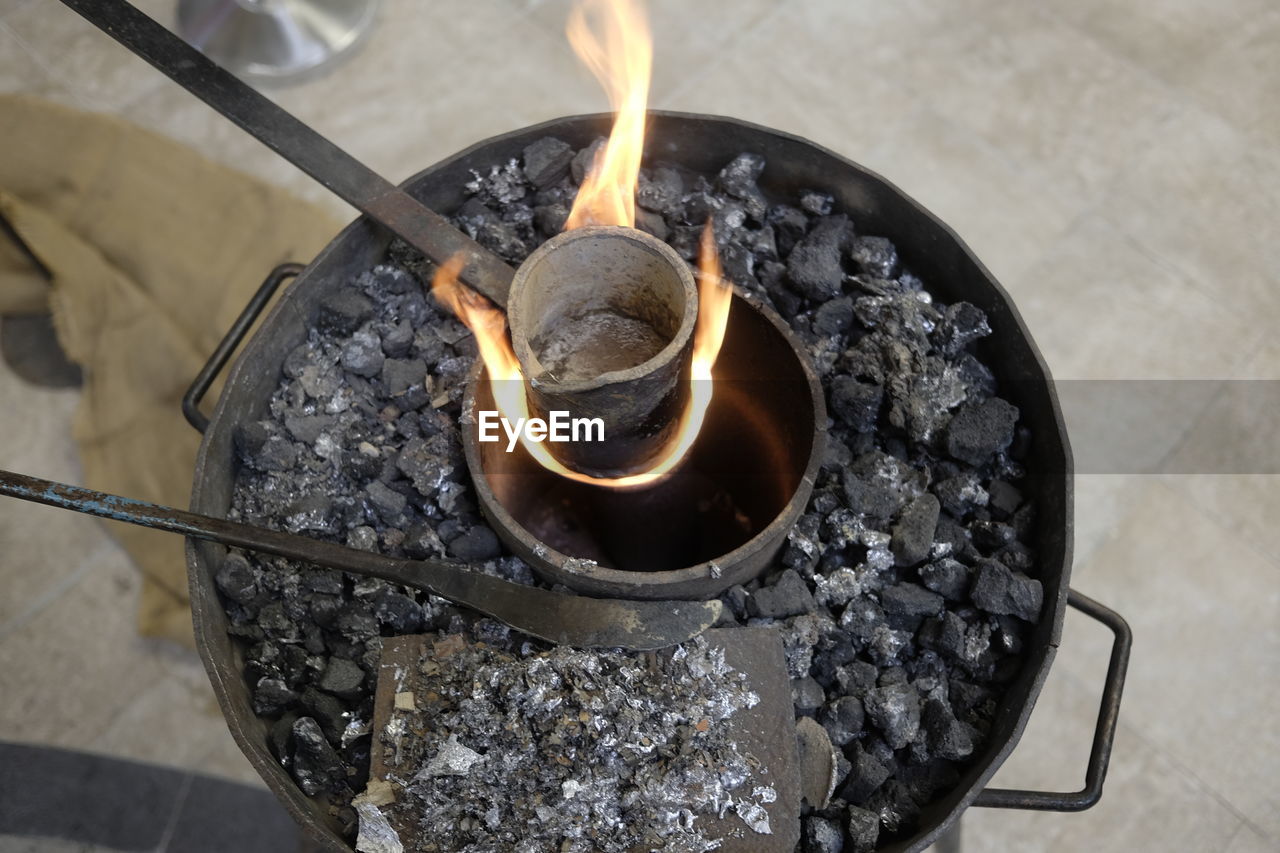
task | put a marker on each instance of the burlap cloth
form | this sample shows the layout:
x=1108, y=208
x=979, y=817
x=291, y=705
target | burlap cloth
x=152, y=251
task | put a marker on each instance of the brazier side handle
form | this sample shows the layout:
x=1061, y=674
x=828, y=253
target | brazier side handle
x=1103, y=735
x=230, y=341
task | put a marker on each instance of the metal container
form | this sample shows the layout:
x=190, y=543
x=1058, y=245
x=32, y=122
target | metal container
x=705, y=144
x=606, y=271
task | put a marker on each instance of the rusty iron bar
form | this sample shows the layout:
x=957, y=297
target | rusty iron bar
x=556, y=617
x=300, y=144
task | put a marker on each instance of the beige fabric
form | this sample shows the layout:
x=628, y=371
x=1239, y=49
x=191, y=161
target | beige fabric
x=153, y=251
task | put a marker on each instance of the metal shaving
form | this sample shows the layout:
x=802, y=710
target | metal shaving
x=571, y=751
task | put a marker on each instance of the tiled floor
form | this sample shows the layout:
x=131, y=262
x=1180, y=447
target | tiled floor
x=1115, y=164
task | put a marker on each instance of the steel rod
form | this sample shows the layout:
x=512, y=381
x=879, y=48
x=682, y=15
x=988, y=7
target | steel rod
x=295, y=141
x=556, y=617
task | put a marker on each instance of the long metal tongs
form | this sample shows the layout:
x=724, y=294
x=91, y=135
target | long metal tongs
x=282, y=132
x=570, y=620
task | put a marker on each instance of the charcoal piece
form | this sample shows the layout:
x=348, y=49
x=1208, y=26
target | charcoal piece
x=271, y=696
x=330, y=713
x=862, y=618
x=362, y=354
x=737, y=597
x=873, y=499
x=550, y=218
x=856, y=403
x=895, y=710
x=249, y=439
x=685, y=239
x=788, y=596
x=913, y=534
x=345, y=311
x=834, y=317
x=991, y=536
x=1023, y=521
x=947, y=577
x=789, y=225
x=307, y=428
x=236, y=578
x=842, y=718
x=965, y=696
x=739, y=177
x=822, y=836
x=387, y=502
x=397, y=340
x=980, y=430
x=866, y=774
x=947, y=737
x=1016, y=556
x=863, y=829
x=397, y=611
x=342, y=678
x=953, y=537
x=828, y=661
x=421, y=542
x=652, y=223
x=477, y=544
x=806, y=695
x=489, y=230
x=856, y=678
x=547, y=161
x=280, y=738
x=1005, y=498
x=909, y=599
x=424, y=468
x=584, y=161
x=316, y=767
x=277, y=454
x=962, y=323
x=358, y=624
x=762, y=243
x=660, y=191
x=875, y=256
x=386, y=279
x=815, y=202
x=998, y=590
x=401, y=374
x=962, y=494
x=814, y=263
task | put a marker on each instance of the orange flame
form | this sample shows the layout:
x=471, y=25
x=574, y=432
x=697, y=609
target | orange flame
x=489, y=325
x=620, y=55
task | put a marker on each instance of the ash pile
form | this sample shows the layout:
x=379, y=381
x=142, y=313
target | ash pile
x=904, y=593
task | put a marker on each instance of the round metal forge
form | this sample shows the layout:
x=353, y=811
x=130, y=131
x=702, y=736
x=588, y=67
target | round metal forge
x=717, y=520
x=704, y=144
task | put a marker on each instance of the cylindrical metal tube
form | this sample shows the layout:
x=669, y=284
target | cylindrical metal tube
x=602, y=322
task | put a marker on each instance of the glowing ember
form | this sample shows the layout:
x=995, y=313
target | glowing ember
x=621, y=57
x=620, y=54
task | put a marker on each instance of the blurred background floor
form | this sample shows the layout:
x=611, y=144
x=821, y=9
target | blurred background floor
x=1116, y=166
